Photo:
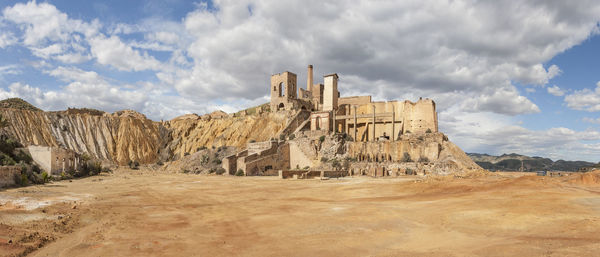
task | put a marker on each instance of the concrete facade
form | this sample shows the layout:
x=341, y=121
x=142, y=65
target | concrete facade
x=54, y=160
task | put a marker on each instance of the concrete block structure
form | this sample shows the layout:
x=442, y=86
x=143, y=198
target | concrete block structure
x=54, y=160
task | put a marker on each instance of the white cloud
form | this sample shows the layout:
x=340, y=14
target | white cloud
x=7, y=39
x=112, y=51
x=496, y=134
x=555, y=90
x=591, y=120
x=585, y=99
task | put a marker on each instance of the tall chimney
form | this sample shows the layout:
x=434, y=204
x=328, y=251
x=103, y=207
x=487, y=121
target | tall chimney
x=309, y=81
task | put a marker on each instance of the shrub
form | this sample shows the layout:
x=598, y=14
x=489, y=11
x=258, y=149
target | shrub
x=321, y=139
x=428, y=131
x=254, y=141
x=220, y=171
x=205, y=159
x=5, y=160
x=410, y=172
x=282, y=137
x=186, y=154
x=239, y=172
x=336, y=164
x=201, y=148
x=211, y=170
x=24, y=157
x=348, y=137
x=45, y=176
x=159, y=163
x=406, y=157
x=407, y=132
x=24, y=181
x=292, y=136
x=134, y=165
x=186, y=171
x=306, y=168
x=217, y=161
x=423, y=159
x=420, y=138
x=324, y=159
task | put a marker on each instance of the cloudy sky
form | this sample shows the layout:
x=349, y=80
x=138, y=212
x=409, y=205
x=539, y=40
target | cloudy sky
x=507, y=76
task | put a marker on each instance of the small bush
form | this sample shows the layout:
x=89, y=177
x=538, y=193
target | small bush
x=423, y=159
x=348, y=137
x=134, y=165
x=407, y=132
x=186, y=154
x=220, y=171
x=24, y=157
x=321, y=139
x=428, y=131
x=324, y=159
x=217, y=161
x=159, y=163
x=5, y=160
x=45, y=176
x=420, y=138
x=186, y=171
x=292, y=136
x=405, y=157
x=306, y=168
x=239, y=172
x=254, y=141
x=201, y=148
x=336, y=164
x=410, y=172
x=24, y=181
x=282, y=137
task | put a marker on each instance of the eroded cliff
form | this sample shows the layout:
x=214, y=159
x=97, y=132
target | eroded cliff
x=127, y=135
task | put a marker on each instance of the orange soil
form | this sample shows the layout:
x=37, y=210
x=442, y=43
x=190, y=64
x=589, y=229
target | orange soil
x=151, y=214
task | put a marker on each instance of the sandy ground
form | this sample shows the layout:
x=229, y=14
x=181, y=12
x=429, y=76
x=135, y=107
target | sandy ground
x=149, y=214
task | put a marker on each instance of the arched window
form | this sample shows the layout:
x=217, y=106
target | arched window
x=281, y=89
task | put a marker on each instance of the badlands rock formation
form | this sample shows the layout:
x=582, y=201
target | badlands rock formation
x=127, y=135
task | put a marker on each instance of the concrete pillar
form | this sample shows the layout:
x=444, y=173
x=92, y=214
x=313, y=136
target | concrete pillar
x=373, y=122
x=334, y=123
x=355, y=123
x=393, y=123
x=309, y=79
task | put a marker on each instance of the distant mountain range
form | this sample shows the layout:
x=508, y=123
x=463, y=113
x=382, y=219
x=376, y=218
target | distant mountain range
x=517, y=162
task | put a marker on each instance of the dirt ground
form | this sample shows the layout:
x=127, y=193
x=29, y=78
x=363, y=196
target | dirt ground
x=155, y=214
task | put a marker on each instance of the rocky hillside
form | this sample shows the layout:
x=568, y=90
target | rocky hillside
x=514, y=162
x=127, y=135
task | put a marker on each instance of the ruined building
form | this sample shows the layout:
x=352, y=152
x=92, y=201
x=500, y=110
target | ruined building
x=357, y=116
x=320, y=110
x=54, y=160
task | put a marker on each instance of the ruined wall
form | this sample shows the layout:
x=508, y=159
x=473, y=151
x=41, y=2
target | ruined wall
x=354, y=100
x=42, y=155
x=7, y=175
x=411, y=117
x=283, y=90
x=330, y=92
x=297, y=157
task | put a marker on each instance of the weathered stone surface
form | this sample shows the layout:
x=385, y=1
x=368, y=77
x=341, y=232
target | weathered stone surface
x=128, y=135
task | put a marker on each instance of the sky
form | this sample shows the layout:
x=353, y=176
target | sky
x=507, y=76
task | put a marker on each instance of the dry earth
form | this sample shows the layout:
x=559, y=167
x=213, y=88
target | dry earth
x=155, y=214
